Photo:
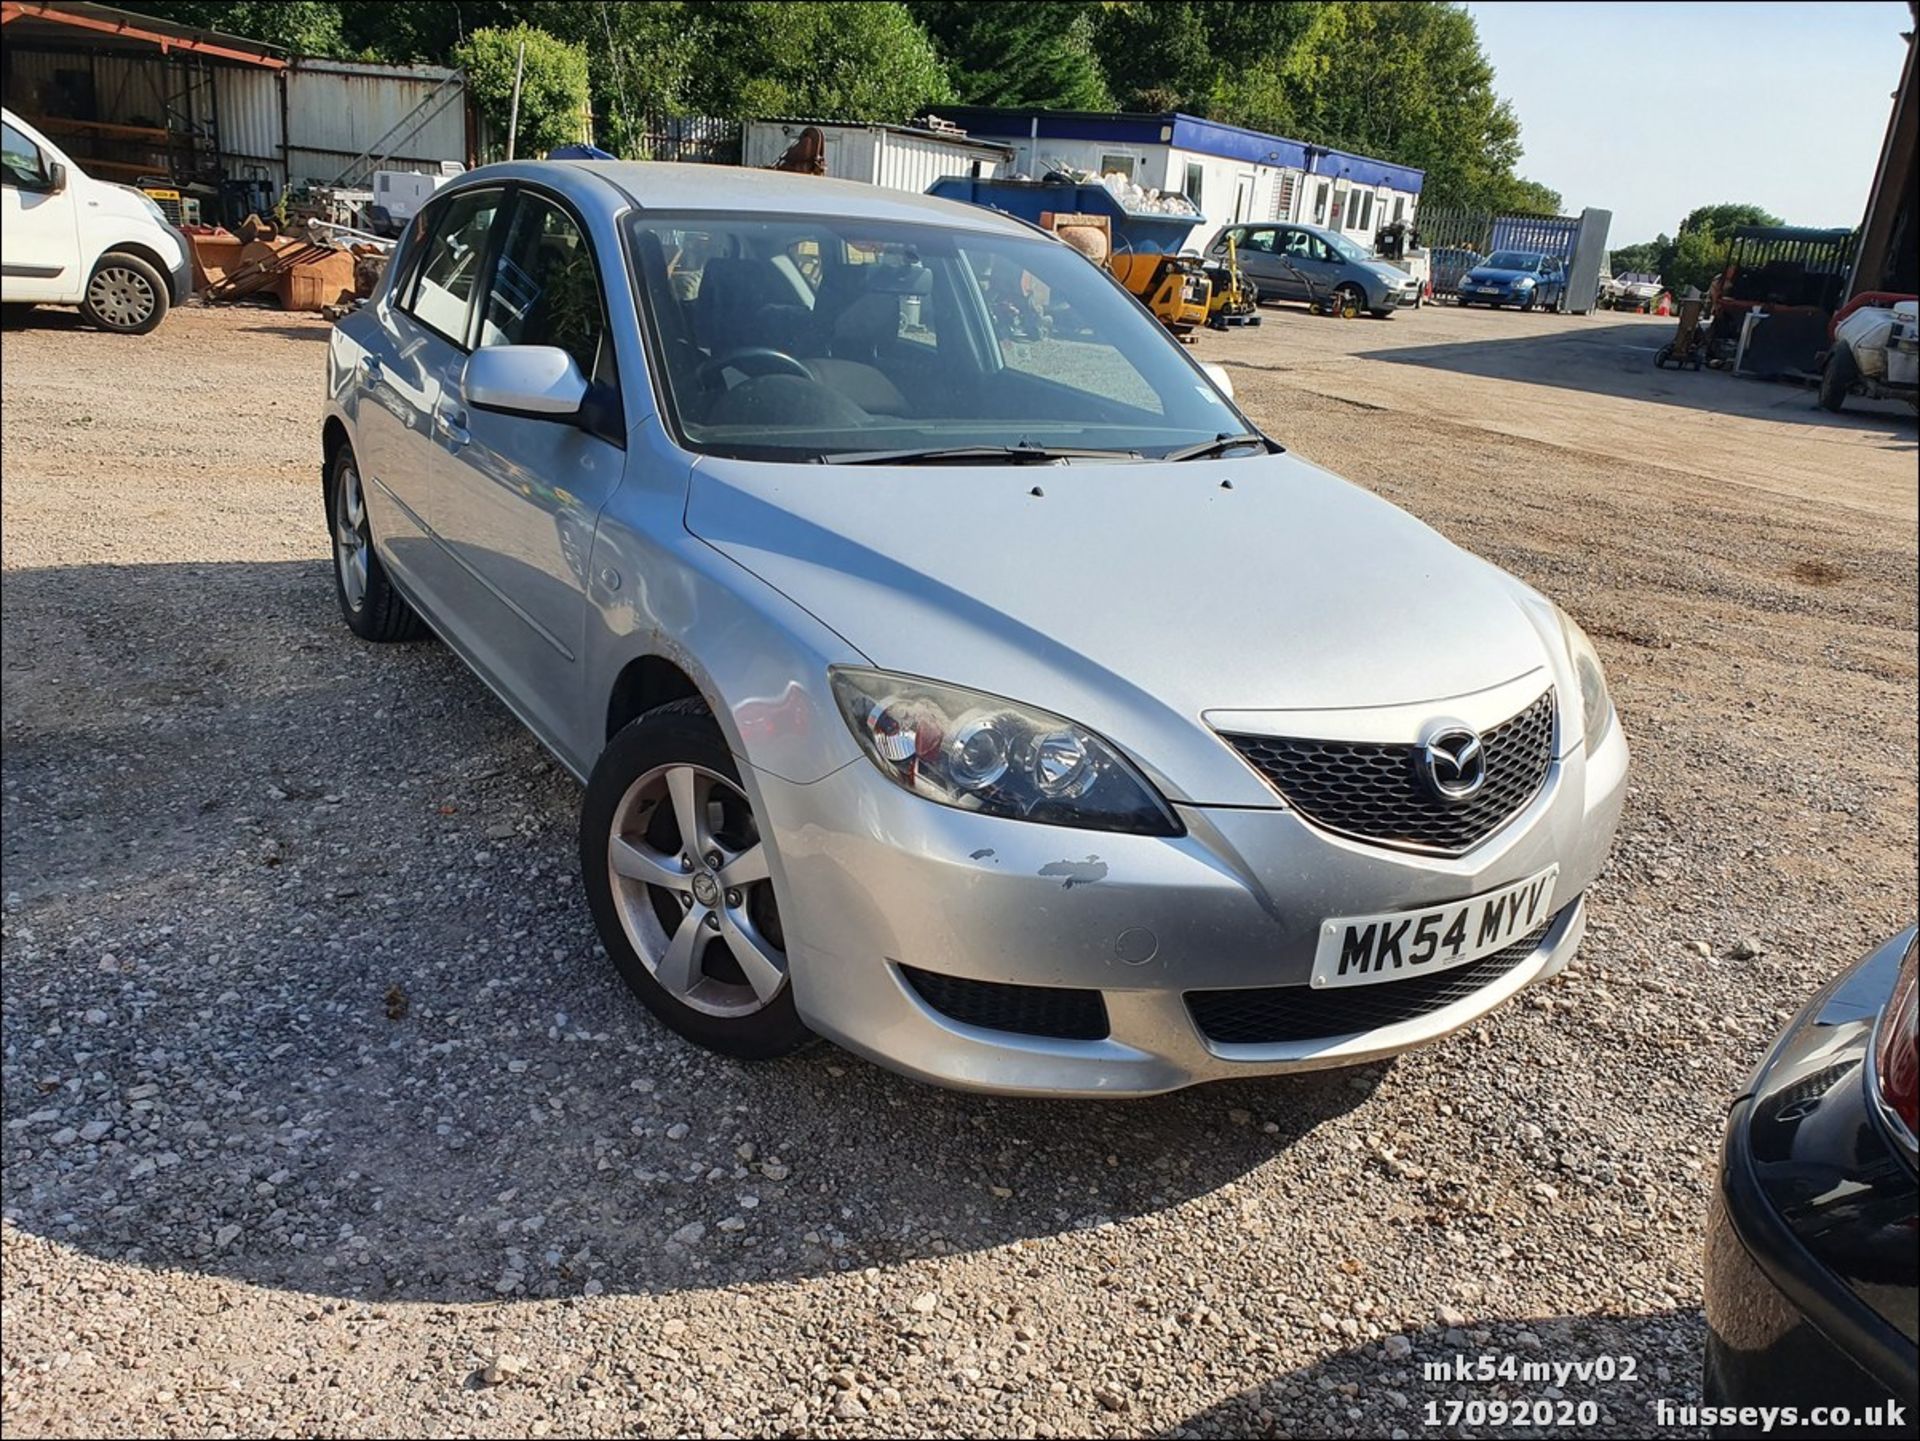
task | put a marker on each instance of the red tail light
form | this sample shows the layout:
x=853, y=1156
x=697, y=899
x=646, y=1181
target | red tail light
x=1896, y=1060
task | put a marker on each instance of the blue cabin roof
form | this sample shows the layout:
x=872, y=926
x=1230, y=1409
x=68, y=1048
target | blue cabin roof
x=1186, y=132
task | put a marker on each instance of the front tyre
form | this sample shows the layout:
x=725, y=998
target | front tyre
x=369, y=604
x=125, y=294
x=677, y=879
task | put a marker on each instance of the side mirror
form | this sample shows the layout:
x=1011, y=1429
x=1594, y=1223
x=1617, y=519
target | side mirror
x=56, y=178
x=541, y=382
x=1217, y=373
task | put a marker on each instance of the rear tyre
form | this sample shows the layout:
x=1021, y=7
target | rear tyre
x=677, y=879
x=1837, y=380
x=371, y=607
x=125, y=295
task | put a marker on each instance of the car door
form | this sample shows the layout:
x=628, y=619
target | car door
x=40, y=225
x=1553, y=280
x=516, y=497
x=1260, y=258
x=416, y=347
x=1308, y=263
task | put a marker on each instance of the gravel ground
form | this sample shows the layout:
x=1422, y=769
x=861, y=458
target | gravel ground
x=324, y=1116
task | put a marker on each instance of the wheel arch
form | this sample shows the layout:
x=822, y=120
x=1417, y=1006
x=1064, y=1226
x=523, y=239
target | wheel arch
x=139, y=251
x=333, y=436
x=644, y=682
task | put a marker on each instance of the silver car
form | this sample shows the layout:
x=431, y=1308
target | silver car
x=953, y=670
x=1304, y=262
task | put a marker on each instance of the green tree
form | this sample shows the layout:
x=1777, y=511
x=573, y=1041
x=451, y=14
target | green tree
x=839, y=59
x=1037, y=54
x=1641, y=259
x=306, y=27
x=1699, y=251
x=1727, y=217
x=553, y=88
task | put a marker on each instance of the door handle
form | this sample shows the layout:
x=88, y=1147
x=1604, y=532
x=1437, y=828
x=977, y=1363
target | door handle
x=452, y=429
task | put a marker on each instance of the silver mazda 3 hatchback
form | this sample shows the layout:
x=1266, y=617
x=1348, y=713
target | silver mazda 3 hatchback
x=953, y=670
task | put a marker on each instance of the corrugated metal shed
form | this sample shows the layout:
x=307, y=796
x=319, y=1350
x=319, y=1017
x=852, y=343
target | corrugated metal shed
x=305, y=123
x=310, y=123
x=898, y=157
x=337, y=109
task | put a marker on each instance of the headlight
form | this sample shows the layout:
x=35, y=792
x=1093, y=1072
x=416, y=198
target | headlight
x=1595, y=704
x=981, y=753
x=1525, y=282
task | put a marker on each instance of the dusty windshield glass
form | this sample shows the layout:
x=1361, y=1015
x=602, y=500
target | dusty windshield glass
x=807, y=337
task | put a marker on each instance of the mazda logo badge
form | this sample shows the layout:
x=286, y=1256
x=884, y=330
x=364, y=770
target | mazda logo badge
x=1452, y=762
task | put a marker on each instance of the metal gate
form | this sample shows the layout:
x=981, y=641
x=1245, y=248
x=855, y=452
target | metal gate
x=706, y=139
x=1458, y=240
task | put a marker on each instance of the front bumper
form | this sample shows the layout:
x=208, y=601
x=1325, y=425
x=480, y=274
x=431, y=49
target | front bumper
x=872, y=878
x=180, y=274
x=1810, y=1281
x=1397, y=297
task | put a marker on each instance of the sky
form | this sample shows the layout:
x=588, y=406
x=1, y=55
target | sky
x=1649, y=110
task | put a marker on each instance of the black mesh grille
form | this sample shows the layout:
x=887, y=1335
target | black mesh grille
x=1058, y=1011
x=1265, y=1015
x=1372, y=791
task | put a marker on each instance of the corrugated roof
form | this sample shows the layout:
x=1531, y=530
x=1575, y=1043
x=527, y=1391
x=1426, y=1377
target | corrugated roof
x=105, y=27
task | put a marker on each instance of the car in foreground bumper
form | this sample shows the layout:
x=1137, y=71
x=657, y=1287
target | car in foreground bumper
x=996, y=955
x=1810, y=1263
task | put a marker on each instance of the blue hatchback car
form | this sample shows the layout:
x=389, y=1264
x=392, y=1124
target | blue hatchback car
x=1526, y=278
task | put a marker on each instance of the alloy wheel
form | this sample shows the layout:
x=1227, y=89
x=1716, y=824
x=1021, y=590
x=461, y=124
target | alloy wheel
x=121, y=296
x=352, y=541
x=690, y=885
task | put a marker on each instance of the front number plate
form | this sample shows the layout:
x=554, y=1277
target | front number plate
x=1360, y=950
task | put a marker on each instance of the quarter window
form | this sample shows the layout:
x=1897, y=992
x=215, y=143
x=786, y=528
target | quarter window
x=545, y=290
x=443, y=292
x=20, y=158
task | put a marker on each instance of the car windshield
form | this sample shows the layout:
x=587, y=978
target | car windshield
x=1345, y=248
x=812, y=338
x=1512, y=260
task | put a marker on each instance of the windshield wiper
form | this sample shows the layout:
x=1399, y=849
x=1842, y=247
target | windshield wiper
x=1021, y=454
x=1219, y=445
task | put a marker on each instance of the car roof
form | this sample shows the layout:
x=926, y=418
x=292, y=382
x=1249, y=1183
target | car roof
x=663, y=185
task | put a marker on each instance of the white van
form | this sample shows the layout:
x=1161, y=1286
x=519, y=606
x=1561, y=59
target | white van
x=68, y=239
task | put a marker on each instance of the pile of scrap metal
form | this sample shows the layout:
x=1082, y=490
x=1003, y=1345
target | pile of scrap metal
x=323, y=268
